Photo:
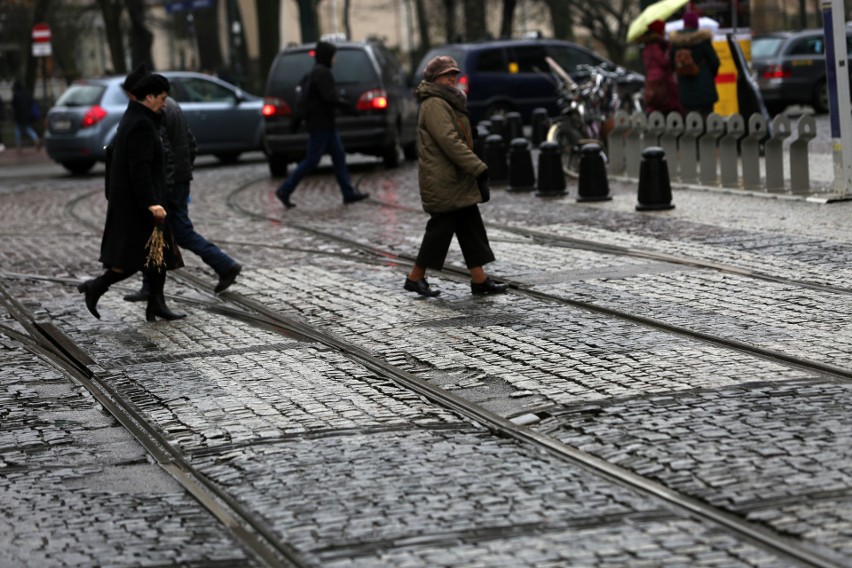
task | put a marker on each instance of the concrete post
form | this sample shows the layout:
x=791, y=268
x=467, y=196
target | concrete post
x=728, y=155
x=633, y=145
x=688, y=147
x=751, y=151
x=615, y=142
x=800, y=181
x=707, y=149
x=774, y=153
x=669, y=141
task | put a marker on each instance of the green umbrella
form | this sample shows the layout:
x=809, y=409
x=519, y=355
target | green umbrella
x=657, y=11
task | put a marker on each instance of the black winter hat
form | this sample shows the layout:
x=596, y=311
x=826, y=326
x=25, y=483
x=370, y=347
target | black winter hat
x=134, y=77
x=325, y=52
x=151, y=84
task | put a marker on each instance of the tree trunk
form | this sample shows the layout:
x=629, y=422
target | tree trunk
x=450, y=29
x=474, y=20
x=206, y=23
x=112, y=10
x=308, y=21
x=423, y=28
x=508, y=18
x=560, y=16
x=347, y=25
x=269, y=38
x=141, y=37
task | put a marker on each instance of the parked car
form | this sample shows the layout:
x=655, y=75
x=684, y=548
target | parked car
x=790, y=68
x=369, y=76
x=513, y=75
x=225, y=120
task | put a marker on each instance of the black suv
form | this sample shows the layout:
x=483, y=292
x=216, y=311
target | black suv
x=512, y=74
x=369, y=76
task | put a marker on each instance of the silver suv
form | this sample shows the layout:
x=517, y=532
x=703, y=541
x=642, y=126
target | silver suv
x=790, y=68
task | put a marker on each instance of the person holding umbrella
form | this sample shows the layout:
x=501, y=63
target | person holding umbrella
x=661, y=89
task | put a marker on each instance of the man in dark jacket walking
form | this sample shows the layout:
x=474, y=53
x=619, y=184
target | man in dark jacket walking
x=322, y=104
x=180, y=149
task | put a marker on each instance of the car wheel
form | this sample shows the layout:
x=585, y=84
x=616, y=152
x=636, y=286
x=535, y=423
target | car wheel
x=392, y=154
x=228, y=158
x=277, y=164
x=79, y=167
x=499, y=109
x=820, y=98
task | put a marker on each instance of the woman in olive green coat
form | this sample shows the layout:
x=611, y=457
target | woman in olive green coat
x=453, y=180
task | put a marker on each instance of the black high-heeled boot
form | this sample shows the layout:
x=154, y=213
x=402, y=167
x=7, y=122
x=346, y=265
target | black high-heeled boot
x=157, y=307
x=97, y=287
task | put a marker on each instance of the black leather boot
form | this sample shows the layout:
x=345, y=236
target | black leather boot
x=157, y=308
x=93, y=289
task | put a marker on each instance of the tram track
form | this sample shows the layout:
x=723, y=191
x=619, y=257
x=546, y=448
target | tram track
x=65, y=351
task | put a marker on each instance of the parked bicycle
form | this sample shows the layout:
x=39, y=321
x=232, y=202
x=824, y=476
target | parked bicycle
x=587, y=109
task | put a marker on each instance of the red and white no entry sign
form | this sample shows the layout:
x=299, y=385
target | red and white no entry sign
x=41, y=40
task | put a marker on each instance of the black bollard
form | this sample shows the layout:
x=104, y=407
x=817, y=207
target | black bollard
x=514, y=126
x=593, y=184
x=486, y=124
x=495, y=159
x=498, y=125
x=482, y=133
x=521, y=174
x=655, y=190
x=551, y=178
x=540, y=126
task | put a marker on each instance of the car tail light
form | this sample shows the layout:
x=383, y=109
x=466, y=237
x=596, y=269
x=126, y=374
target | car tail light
x=273, y=106
x=464, y=83
x=93, y=116
x=776, y=72
x=377, y=99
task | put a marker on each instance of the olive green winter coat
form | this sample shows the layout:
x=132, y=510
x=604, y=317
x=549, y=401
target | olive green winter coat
x=448, y=166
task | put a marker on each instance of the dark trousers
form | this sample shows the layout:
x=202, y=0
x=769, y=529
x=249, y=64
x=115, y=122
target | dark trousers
x=321, y=142
x=466, y=224
x=185, y=235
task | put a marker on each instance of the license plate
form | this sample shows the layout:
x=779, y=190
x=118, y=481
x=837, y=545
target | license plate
x=62, y=124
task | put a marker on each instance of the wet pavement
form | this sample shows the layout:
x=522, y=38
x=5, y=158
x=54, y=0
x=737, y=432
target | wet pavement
x=350, y=467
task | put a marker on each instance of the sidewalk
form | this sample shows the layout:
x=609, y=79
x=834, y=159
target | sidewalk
x=27, y=155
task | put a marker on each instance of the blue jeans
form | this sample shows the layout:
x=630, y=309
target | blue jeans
x=21, y=129
x=185, y=235
x=321, y=142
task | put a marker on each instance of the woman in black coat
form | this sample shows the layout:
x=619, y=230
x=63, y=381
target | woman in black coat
x=136, y=191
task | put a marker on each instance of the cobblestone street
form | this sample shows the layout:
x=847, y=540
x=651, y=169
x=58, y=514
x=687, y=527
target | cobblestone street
x=657, y=389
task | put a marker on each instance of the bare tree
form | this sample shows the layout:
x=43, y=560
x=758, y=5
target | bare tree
x=507, y=20
x=112, y=11
x=474, y=20
x=450, y=29
x=608, y=22
x=560, y=16
x=141, y=37
x=308, y=22
x=347, y=26
x=268, y=35
x=206, y=24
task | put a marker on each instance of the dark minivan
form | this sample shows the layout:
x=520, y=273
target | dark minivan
x=513, y=75
x=369, y=76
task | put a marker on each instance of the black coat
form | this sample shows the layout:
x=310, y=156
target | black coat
x=323, y=100
x=137, y=180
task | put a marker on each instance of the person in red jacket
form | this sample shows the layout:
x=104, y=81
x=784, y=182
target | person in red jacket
x=661, y=89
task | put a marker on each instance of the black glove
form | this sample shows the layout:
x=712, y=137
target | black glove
x=484, y=190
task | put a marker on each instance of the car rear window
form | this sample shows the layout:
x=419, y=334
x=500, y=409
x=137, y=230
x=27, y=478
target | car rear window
x=764, y=47
x=350, y=66
x=81, y=95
